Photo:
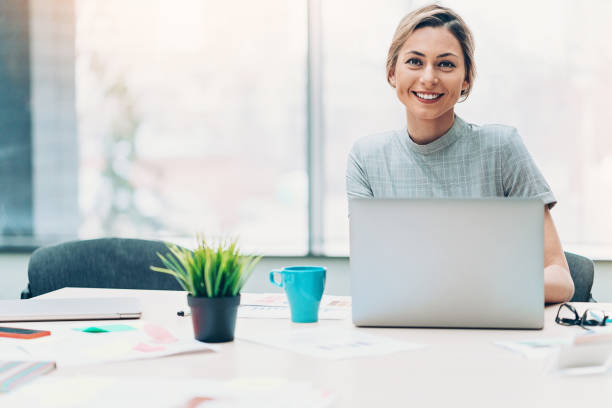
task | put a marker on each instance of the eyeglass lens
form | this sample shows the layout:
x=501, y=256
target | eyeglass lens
x=567, y=315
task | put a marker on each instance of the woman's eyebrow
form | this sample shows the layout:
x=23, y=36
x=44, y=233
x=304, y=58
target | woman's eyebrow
x=446, y=54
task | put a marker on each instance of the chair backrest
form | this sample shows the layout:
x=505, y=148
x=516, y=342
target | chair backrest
x=98, y=263
x=582, y=271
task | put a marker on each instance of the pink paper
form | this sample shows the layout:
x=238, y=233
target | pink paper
x=147, y=348
x=159, y=334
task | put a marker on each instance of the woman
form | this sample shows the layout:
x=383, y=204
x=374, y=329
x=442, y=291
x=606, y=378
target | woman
x=431, y=65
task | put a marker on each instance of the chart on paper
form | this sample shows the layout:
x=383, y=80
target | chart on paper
x=333, y=343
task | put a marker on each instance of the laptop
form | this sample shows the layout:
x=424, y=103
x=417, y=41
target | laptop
x=69, y=309
x=465, y=263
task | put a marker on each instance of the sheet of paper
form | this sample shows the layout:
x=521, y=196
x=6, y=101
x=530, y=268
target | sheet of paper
x=535, y=348
x=330, y=342
x=103, y=392
x=276, y=306
x=67, y=346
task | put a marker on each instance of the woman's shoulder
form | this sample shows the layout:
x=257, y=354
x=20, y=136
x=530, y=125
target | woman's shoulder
x=493, y=129
x=495, y=134
x=374, y=144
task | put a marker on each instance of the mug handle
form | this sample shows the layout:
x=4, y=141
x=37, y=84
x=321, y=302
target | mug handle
x=279, y=284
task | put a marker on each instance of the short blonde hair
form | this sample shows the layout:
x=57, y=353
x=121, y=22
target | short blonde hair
x=435, y=16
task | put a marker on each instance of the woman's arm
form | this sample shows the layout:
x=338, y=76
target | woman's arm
x=357, y=184
x=558, y=283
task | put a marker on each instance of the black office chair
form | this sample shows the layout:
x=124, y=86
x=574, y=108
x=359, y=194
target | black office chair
x=98, y=263
x=582, y=271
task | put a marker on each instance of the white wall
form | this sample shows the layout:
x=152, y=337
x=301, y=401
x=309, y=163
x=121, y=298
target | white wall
x=602, y=285
x=13, y=275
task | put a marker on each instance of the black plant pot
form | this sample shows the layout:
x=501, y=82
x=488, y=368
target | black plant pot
x=214, y=319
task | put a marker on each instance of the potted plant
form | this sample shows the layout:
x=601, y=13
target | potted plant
x=213, y=275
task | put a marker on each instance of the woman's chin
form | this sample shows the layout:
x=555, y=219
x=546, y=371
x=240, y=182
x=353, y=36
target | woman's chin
x=420, y=113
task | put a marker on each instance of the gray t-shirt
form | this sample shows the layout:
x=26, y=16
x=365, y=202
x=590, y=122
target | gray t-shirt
x=468, y=161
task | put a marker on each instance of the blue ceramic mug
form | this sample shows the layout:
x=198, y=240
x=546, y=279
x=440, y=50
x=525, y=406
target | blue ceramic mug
x=304, y=287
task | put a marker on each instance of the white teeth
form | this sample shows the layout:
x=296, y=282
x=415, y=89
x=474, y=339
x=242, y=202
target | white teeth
x=427, y=96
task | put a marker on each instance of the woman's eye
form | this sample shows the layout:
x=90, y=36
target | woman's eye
x=446, y=64
x=413, y=61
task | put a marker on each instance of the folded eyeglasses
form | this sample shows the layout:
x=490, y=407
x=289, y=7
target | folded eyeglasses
x=568, y=316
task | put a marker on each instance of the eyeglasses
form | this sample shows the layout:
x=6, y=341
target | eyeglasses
x=568, y=316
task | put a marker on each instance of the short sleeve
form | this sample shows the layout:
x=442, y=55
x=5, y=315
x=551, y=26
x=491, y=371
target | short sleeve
x=357, y=184
x=520, y=175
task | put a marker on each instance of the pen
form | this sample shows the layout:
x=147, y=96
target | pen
x=182, y=313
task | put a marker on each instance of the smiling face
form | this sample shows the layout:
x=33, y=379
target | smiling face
x=429, y=75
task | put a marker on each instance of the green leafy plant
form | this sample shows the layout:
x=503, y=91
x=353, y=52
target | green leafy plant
x=210, y=270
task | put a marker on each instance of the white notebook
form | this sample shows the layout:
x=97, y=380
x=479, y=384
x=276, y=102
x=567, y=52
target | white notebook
x=35, y=309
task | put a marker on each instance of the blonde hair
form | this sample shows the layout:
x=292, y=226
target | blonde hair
x=435, y=16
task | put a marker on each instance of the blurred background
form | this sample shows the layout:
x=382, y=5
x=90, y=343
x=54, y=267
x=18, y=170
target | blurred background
x=159, y=119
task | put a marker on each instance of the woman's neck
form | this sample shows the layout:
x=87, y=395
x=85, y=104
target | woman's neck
x=424, y=131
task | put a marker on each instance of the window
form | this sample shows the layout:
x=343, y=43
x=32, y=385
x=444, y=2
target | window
x=162, y=119
x=541, y=67
x=191, y=120
x=15, y=124
x=357, y=99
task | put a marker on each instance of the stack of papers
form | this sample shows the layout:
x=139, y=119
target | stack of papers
x=590, y=353
x=583, y=354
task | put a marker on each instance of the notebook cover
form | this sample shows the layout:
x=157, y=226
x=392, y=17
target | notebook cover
x=16, y=373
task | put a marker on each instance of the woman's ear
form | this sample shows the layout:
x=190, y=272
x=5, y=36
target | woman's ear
x=392, y=78
x=464, y=87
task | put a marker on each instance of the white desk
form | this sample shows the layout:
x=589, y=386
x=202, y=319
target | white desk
x=458, y=368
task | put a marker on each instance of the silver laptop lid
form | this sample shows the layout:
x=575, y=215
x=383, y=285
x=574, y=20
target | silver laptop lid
x=36, y=309
x=447, y=262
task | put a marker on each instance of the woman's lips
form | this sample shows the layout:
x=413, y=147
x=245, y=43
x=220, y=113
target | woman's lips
x=427, y=97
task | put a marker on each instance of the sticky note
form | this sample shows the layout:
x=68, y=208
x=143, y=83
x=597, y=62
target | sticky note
x=148, y=348
x=94, y=330
x=106, y=328
x=159, y=334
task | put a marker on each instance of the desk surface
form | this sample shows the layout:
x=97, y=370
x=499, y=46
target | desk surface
x=459, y=367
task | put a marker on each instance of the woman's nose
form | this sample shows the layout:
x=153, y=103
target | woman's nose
x=429, y=78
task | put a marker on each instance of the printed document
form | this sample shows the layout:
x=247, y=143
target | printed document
x=276, y=306
x=330, y=342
